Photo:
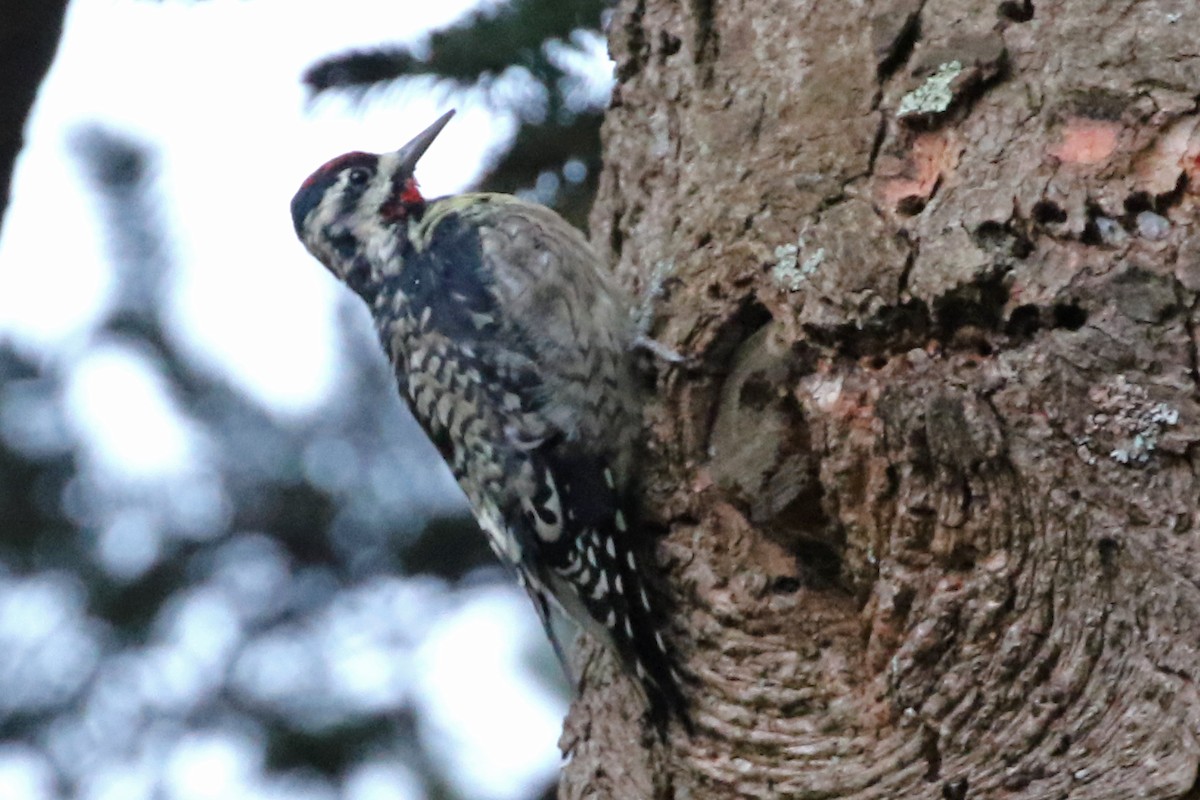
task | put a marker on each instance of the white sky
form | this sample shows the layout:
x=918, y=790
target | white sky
x=214, y=87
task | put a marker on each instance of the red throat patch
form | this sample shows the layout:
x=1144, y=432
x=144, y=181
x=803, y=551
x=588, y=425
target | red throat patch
x=410, y=195
x=404, y=202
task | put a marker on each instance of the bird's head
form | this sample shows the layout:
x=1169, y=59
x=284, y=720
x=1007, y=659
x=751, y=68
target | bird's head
x=356, y=197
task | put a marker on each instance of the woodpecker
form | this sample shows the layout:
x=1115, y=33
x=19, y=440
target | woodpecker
x=513, y=347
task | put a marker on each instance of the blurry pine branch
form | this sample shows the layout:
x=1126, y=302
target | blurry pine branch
x=555, y=155
x=267, y=508
x=482, y=44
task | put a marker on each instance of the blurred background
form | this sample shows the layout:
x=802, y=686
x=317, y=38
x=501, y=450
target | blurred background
x=230, y=565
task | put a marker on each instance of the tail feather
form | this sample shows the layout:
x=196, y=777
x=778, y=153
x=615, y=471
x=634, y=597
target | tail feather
x=654, y=665
x=578, y=543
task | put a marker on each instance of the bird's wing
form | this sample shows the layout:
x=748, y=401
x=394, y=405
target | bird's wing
x=552, y=310
x=521, y=298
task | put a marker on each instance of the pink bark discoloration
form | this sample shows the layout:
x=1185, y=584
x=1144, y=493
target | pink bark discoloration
x=913, y=180
x=1087, y=141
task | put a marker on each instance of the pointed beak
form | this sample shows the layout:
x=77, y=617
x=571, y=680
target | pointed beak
x=409, y=154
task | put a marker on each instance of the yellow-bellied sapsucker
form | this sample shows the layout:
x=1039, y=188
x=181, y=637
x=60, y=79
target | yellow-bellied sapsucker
x=513, y=347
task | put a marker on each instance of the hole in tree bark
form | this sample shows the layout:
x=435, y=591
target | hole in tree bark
x=616, y=237
x=1046, y=212
x=894, y=329
x=1070, y=316
x=1024, y=321
x=963, y=558
x=821, y=564
x=1138, y=202
x=999, y=236
x=931, y=754
x=1016, y=10
x=1022, y=246
x=668, y=45
x=911, y=205
x=979, y=304
x=893, y=481
x=1108, y=548
x=1172, y=198
x=991, y=232
x=786, y=585
x=955, y=790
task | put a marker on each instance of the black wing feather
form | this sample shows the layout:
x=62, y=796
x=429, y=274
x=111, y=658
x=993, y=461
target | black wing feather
x=447, y=282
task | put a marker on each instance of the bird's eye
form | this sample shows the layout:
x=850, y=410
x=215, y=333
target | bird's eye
x=359, y=176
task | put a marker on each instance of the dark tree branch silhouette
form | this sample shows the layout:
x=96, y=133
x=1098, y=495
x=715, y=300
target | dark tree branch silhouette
x=28, y=40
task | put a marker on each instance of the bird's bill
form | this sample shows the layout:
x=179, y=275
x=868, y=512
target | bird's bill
x=411, y=153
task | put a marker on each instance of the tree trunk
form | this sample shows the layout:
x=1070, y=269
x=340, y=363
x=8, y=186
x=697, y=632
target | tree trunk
x=29, y=32
x=931, y=476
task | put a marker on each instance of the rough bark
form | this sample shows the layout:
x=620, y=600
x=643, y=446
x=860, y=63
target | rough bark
x=931, y=480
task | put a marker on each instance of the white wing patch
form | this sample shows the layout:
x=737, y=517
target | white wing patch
x=504, y=544
x=545, y=514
